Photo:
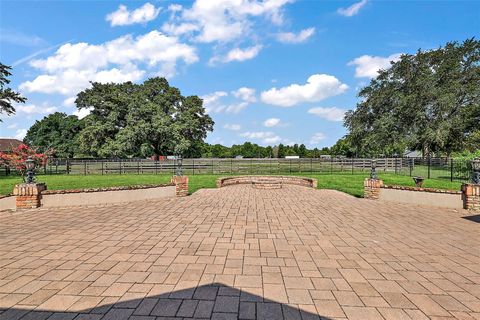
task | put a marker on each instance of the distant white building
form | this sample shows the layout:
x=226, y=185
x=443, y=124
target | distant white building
x=412, y=154
x=292, y=157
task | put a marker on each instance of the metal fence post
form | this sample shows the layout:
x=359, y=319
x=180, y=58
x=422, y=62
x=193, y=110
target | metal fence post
x=84, y=167
x=429, y=162
x=451, y=170
x=193, y=166
x=102, y=167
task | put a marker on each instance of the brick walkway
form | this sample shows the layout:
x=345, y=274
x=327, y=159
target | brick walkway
x=239, y=252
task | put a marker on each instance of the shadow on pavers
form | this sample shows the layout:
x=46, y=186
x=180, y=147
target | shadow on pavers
x=474, y=218
x=213, y=301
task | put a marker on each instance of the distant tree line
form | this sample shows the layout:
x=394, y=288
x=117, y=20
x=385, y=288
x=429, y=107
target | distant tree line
x=252, y=150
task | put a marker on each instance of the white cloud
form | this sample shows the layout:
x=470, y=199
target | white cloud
x=353, y=9
x=175, y=7
x=237, y=54
x=13, y=126
x=317, y=88
x=272, y=122
x=226, y=20
x=69, y=102
x=34, y=109
x=266, y=137
x=330, y=114
x=290, y=37
x=233, y=127
x=317, y=138
x=368, y=66
x=246, y=94
x=70, y=69
x=179, y=29
x=20, y=134
x=213, y=104
x=123, y=16
x=235, y=107
x=82, y=113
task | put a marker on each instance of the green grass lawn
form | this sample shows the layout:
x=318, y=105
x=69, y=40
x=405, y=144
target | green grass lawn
x=348, y=183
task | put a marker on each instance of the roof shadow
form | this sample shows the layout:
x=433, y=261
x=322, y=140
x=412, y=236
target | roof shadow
x=474, y=218
x=212, y=301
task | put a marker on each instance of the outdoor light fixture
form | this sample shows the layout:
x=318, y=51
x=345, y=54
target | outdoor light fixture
x=179, y=170
x=373, y=171
x=476, y=171
x=30, y=166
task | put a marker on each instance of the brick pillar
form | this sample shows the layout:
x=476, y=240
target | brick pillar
x=181, y=185
x=471, y=196
x=371, y=188
x=28, y=195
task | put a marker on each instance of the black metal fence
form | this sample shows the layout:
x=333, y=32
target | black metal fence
x=434, y=168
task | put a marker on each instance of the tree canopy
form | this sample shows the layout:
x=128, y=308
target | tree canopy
x=427, y=101
x=146, y=119
x=7, y=95
x=57, y=133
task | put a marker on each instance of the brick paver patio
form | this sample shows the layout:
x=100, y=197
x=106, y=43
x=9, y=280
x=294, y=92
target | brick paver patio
x=239, y=252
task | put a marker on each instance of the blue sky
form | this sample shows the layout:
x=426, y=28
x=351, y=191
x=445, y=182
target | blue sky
x=270, y=72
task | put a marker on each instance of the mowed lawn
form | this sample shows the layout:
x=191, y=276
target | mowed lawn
x=348, y=183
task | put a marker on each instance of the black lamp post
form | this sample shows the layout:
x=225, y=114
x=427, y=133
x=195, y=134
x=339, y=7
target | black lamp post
x=179, y=169
x=373, y=171
x=30, y=166
x=476, y=171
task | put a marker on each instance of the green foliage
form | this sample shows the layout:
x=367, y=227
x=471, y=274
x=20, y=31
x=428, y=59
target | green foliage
x=7, y=95
x=428, y=101
x=146, y=119
x=56, y=132
x=253, y=150
x=343, y=147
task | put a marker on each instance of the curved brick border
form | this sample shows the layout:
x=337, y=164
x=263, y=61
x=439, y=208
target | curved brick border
x=299, y=181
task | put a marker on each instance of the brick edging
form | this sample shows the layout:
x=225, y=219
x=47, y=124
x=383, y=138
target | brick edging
x=432, y=190
x=120, y=188
x=249, y=179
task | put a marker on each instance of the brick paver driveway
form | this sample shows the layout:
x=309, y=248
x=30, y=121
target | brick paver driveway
x=239, y=252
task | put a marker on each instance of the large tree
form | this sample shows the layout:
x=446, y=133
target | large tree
x=56, y=132
x=146, y=119
x=7, y=95
x=427, y=101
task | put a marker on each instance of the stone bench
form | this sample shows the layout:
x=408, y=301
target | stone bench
x=267, y=182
